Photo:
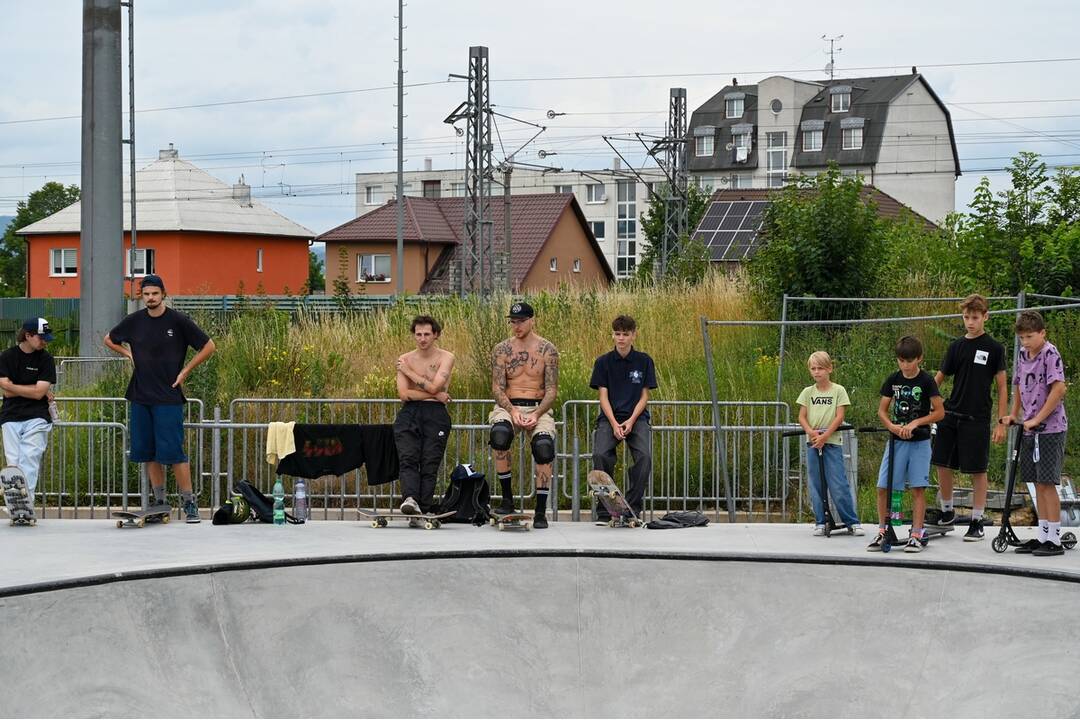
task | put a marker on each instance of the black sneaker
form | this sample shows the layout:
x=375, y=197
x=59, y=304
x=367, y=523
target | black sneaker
x=878, y=541
x=191, y=512
x=914, y=545
x=1048, y=548
x=1028, y=547
x=540, y=522
x=948, y=517
x=506, y=507
x=975, y=531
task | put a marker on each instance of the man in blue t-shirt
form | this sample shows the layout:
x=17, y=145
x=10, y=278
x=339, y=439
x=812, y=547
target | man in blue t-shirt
x=157, y=340
x=624, y=378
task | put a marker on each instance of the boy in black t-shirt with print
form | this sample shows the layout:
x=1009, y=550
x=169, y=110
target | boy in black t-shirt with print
x=962, y=443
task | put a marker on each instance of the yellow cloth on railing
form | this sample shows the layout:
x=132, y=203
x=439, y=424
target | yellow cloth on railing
x=280, y=442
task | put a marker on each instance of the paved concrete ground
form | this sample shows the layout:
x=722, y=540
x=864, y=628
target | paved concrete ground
x=578, y=620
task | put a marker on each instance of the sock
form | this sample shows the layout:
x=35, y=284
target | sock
x=159, y=495
x=1044, y=530
x=506, y=482
x=977, y=513
x=946, y=505
x=1055, y=533
x=541, y=501
x=187, y=497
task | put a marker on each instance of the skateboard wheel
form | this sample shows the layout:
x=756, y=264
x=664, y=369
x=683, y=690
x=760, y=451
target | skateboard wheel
x=527, y=526
x=611, y=523
x=493, y=522
x=1000, y=544
x=1068, y=540
x=165, y=518
x=33, y=521
x=429, y=525
x=119, y=523
x=885, y=547
x=374, y=523
x=828, y=530
x=12, y=521
x=141, y=522
x=502, y=526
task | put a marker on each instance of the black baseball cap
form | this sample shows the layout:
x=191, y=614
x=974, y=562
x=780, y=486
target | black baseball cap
x=521, y=311
x=39, y=326
x=153, y=281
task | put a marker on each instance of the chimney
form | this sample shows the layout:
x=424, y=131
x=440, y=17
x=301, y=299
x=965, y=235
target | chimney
x=616, y=164
x=427, y=164
x=168, y=153
x=735, y=82
x=241, y=192
x=914, y=70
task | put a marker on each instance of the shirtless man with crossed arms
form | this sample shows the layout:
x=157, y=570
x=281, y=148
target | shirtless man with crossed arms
x=524, y=384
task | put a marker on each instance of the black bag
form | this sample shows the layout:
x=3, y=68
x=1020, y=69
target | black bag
x=679, y=519
x=468, y=497
x=262, y=507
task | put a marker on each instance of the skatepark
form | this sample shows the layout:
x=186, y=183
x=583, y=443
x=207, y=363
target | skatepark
x=342, y=619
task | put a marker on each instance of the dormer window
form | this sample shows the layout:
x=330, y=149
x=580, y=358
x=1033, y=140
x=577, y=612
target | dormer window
x=734, y=104
x=704, y=140
x=851, y=133
x=813, y=134
x=841, y=98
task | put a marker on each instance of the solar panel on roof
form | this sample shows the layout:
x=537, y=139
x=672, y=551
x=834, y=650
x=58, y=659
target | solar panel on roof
x=730, y=229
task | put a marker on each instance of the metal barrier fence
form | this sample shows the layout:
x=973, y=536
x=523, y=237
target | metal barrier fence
x=73, y=373
x=86, y=473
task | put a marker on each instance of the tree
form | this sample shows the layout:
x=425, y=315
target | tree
x=821, y=239
x=316, y=281
x=652, y=227
x=51, y=198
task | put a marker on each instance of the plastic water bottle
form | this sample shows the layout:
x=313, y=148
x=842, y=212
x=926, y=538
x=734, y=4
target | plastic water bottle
x=279, y=502
x=300, y=506
x=894, y=513
x=54, y=411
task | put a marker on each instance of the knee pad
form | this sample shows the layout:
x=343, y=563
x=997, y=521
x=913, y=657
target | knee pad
x=502, y=435
x=543, y=449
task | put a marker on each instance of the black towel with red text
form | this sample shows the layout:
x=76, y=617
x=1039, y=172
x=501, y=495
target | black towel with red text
x=323, y=449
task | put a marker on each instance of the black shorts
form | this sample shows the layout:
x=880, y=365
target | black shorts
x=962, y=445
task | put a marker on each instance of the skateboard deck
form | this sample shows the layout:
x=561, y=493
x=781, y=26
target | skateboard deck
x=511, y=521
x=17, y=496
x=428, y=521
x=604, y=489
x=139, y=518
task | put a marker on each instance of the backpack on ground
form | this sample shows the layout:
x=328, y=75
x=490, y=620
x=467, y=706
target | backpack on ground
x=233, y=511
x=468, y=497
x=679, y=519
x=262, y=507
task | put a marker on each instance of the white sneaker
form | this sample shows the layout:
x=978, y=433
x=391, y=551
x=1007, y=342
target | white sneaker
x=819, y=530
x=857, y=530
x=410, y=507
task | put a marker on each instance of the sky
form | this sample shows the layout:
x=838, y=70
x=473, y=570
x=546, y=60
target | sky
x=300, y=154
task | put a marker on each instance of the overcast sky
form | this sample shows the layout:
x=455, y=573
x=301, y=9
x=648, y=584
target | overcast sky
x=300, y=154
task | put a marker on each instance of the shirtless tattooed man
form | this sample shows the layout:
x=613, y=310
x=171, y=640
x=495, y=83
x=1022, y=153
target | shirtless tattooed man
x=524, y=383
x=422, y=427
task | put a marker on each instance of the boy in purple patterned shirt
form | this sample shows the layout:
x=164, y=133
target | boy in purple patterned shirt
x=1040, y=379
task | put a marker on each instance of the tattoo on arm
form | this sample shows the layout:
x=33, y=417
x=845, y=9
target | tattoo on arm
x=499, y=356
x=551, y=377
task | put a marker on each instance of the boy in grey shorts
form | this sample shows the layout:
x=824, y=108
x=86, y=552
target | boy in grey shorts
x=1040, y=378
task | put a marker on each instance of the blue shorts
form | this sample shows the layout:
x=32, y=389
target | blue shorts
x=157, y=433
x=911, y=468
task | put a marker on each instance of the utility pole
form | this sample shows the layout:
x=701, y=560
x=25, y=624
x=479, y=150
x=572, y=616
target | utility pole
x=401, y=149
x=101, y=236
x=676, y=208
x=831, y=52
x=130, y=141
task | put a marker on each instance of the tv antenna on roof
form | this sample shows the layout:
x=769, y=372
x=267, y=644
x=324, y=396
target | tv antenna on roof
x=830, y=67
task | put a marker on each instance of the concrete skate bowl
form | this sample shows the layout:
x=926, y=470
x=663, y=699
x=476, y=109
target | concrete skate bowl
x=548, y=634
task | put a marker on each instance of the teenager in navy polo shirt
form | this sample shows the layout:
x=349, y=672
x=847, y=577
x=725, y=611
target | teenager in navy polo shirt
x=624, y=378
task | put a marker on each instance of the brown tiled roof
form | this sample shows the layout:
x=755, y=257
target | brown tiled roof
x=532, y=218
x=887, y=205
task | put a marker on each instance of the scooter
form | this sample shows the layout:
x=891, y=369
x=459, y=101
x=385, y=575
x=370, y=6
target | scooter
x=830, y=523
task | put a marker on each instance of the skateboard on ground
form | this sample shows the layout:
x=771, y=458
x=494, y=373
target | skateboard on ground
x=604, y=489
x=428, y=521
x=139, y=518
x=511, y=521
x=17, y=496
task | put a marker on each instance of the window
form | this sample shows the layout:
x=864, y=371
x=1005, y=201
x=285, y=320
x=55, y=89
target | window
x=739, y=181
x=742, y=140
x=626, y=229
x=595, y=193
x=704, y=146
x=841, y=102
x=597, y=229
x=706, y=182
x=577, y=264
x=564, y=189
x=457, y=189
x=733, y=108
x=811, y=140
x=372, y=268
x=258, y=260
x=372, y=196
x=64, y=261
x=553, y=264
x=432, y=189
x=852, y=138
x=776, y=158
x=143, y=264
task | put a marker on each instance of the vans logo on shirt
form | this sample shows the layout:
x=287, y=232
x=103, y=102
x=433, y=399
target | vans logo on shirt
x=824, y=400
x=981, y=356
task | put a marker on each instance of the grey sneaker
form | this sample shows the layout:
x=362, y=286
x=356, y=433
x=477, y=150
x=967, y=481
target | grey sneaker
x=914, y=545
x=191, y=512
x=410, y=507
x=819, y=530
x=857, y=530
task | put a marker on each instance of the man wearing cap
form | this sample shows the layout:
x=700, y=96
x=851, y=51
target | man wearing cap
x=157, y=340
x=524, y=382
x=27, y=372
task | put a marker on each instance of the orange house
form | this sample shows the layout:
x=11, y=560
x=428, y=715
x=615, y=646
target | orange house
x=552, y=245
x=203, y=236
